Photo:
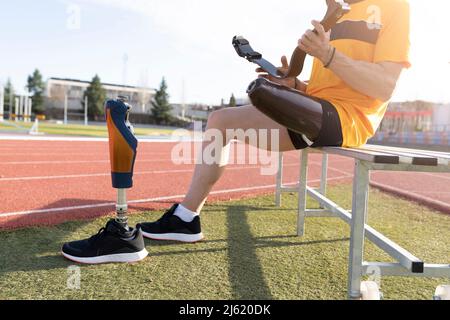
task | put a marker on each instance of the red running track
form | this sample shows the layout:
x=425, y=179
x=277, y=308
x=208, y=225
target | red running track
x=48, y=182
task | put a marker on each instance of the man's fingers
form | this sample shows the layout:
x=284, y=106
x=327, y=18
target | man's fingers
x=309, y=34
x=319, y=29
x=302, y=46
x=312, y=36
x=306, y=42
x=284, y=62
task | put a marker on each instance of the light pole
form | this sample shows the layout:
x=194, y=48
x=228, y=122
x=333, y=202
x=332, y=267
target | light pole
x=16, y=114
x=2, y=101
x=65, y=109
x=86, y=111
x=125, y=68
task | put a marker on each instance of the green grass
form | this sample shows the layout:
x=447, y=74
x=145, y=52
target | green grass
x=79, y=130
x=251, y=252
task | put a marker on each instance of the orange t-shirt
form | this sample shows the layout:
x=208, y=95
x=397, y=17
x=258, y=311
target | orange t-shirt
x=373, y=31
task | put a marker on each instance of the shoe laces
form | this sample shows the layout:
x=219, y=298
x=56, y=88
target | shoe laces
x=165, y=219
x=166, y=216
x=100, y=234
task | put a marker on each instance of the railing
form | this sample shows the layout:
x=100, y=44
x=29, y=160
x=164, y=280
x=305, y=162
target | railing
x=437, y=138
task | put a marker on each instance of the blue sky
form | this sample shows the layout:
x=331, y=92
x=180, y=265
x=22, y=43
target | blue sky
x=190, y=41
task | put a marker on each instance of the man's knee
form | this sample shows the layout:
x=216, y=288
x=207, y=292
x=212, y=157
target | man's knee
x=219, y=119
x=229, y=118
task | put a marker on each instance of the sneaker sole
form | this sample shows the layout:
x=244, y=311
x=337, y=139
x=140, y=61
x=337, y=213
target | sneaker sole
x=188, y=238
x=113, y=258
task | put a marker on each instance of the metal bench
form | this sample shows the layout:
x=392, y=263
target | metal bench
x=368, y=158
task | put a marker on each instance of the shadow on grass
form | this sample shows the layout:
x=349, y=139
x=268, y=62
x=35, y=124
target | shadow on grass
x=245, y=270
x=260, y=242
x=36, y=248
x=36, y=245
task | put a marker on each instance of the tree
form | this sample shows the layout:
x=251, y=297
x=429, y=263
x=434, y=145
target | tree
x=36, y=86
x=8, y=97
x=232, y=102
x=161, y=106
x=96, y=95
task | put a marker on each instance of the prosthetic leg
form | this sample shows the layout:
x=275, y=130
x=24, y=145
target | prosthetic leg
x=122, y=148
x=116, y=242
x=291, y=108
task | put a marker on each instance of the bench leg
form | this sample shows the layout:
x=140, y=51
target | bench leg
x=367, y=199
x=359, y=212
x=302, y=193
x=324, y=176
x=278, y=191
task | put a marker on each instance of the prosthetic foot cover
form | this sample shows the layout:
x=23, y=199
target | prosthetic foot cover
x=122, y=144
x=288, y=107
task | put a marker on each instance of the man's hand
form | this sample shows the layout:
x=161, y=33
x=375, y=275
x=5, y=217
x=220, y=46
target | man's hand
x=316, y=45
x=288, y=82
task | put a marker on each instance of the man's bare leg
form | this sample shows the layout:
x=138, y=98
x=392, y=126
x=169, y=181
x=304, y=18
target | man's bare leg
x=206, y=175
x=181, y=222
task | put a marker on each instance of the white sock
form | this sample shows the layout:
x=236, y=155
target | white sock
x=185, y=214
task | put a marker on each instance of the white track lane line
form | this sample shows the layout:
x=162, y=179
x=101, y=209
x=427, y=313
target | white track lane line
x=79, y=139
x=349, y=173
x=92, y=175
x=38, y=162
x=445, y=176
x=111, y=204
x=409, y=194
x=437, y=175
x=75, y=162
x=330, y=168
x=47, y=154
x=68, y=154
x=74, y=176
x=31, y=138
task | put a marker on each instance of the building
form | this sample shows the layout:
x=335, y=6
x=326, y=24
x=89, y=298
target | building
x=201, y=111
x=57, y=89
x=415, y=123
x=195, y=111
x=192, y=111
x=441, y=118
x=242, y=102
x=413, y=116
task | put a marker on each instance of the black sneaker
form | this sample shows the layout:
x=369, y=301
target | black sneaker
x=172, y=228
x=111, y=244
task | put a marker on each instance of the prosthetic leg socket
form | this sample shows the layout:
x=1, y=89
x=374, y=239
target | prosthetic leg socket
x=288, y=107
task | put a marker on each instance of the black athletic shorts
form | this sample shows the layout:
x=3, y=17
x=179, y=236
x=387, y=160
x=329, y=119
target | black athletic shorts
x=331, y=133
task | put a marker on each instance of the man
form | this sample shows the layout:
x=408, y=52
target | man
x=355, y=71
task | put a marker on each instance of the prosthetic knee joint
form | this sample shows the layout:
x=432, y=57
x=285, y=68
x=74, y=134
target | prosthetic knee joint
x=122, y=149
